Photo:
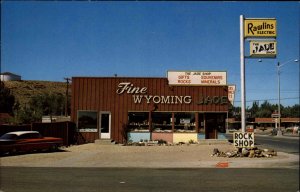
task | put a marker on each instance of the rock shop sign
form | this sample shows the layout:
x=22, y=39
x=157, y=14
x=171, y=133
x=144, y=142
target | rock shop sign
x=243, y=139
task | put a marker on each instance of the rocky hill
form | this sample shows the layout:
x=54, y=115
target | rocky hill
x=24, y=90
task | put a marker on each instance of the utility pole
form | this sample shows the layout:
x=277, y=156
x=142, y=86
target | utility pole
x=67, y=96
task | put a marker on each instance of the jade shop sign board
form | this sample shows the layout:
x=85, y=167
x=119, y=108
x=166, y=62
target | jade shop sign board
x=243, y=139
x=263, y=49
x=192, y=78
x=260, y=28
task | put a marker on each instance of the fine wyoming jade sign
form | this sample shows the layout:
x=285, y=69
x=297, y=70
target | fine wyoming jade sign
x=243, y=139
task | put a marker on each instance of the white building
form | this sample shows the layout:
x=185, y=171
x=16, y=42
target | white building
x=7, y=76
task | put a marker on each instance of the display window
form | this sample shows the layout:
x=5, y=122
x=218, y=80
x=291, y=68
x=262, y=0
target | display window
x=161, y=121
x=138, y=121
x=87, y=121
x=184, y=122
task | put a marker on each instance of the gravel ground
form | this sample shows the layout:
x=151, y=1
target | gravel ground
x=183, y=156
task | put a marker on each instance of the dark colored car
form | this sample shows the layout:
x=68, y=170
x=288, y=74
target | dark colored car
x=27, y=141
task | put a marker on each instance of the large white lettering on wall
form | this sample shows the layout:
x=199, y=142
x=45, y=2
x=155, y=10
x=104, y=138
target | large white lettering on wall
x=140, y=95
x=162, y=99
x=130, y=89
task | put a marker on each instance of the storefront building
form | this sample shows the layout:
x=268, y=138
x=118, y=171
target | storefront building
x=135, y=109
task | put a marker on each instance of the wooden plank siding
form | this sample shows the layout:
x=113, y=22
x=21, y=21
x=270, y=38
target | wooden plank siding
x=99, y=94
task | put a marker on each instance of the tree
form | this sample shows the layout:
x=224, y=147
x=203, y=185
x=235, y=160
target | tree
x=7, y=100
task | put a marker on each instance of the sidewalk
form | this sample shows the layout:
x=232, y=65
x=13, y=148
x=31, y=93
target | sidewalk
x=183, y=156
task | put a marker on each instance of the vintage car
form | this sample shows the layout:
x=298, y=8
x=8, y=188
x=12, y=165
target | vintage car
x=27, y=141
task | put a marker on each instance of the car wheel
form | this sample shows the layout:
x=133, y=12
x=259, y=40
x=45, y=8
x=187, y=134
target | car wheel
x=54, y=148
x=13, y=151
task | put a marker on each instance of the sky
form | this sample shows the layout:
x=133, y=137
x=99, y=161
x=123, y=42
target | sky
x=52, y=40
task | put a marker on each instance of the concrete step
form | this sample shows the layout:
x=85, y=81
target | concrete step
x=213, y=141
x=104, y=142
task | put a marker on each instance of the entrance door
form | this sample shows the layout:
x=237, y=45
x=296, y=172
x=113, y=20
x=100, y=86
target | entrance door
x=211, y=126
x=105, y=125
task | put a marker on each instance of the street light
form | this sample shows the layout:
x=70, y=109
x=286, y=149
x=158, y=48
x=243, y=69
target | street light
x=279, y=132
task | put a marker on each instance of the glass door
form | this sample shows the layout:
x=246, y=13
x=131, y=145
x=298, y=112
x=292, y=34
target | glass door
x=105, y=125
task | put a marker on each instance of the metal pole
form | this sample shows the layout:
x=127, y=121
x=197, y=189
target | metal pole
x=242, y=58
x=279, y=113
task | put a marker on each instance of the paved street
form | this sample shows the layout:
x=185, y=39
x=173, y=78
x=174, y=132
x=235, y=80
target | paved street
x=21, y=179
x=283, y=144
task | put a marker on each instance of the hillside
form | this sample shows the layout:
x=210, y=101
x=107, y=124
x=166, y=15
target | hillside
x=24, y=90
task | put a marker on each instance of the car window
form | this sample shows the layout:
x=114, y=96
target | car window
x=9, y=136
x=30, y=136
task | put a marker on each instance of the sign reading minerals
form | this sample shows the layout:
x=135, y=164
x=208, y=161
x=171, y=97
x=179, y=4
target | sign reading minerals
x=260, y=28
x=197, y=77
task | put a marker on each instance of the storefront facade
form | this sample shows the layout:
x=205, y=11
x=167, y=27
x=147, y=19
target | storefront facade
x=148, y=109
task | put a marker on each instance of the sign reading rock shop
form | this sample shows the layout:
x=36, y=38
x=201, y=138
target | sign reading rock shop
x=263, y=49
x=197, y=78
x=243, y=139
x=260, y=28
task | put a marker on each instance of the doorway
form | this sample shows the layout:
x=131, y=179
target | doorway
x=105, y=125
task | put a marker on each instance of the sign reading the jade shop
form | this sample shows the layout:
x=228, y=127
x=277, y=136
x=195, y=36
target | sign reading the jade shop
x=140, y=95
x=263, y=49
x=197, y=78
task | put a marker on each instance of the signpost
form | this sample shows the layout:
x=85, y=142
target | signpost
x=256, y=28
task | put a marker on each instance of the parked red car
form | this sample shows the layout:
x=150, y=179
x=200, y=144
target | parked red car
x=27, y=141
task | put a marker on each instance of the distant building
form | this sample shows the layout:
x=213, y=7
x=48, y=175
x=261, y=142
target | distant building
x=7, y=76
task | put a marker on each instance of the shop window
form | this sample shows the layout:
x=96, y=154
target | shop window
x=185, y=122
x=87, y=121
x=138, y=121
x=161, y=122
x=221, y=123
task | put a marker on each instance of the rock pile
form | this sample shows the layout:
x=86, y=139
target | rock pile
x=251, y=153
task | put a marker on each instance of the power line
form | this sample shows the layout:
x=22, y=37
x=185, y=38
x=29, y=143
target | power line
x=288, y=98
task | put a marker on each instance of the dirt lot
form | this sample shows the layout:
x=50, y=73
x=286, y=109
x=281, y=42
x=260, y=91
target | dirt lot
x=184, y=156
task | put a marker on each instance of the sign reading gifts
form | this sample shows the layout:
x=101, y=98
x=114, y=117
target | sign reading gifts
x=197, y=77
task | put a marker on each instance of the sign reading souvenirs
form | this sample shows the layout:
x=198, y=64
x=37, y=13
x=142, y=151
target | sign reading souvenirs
x=263, y=49
x=197, y=78
x=139, y=95
x=243, y=139
x=260, y=28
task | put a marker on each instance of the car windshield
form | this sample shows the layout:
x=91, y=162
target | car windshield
x=8, y=136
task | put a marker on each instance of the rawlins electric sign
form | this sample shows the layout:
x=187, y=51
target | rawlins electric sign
x=260, y=28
